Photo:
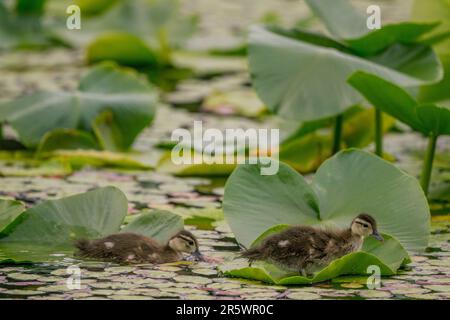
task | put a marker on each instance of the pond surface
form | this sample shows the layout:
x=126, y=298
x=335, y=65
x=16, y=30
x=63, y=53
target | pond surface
x=198, y=200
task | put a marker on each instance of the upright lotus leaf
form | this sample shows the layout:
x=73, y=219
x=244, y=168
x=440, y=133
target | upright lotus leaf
x=35, y=7
x=351, y=182
x=9, y=211
x=341, y=18
x=429, y=10
x=303, y=65
x=390, y=98
x=58, y=222
x=130, y=99
x=431, y=119
x=157, y=22
x=349, y=25
x=157, y=224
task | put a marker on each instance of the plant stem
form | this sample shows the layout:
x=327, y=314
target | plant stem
x=337, y=133
x=378, y=132
x=428, y=163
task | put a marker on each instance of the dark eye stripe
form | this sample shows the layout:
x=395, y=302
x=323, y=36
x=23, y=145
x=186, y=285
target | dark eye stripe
x=363, y=224
x=188, y=240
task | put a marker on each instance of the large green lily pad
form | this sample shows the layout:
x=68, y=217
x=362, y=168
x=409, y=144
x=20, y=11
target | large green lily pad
x=351, y=182
x=46, y=231
x=160, y=226
x=303, y=65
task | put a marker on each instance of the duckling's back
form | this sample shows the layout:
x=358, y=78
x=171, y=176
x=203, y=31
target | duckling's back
x=300, y=247
x=120, y=247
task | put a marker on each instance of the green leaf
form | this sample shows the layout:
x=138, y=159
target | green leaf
x=351, y=182
x=66, y=139
x=79, y=158
x=92, y=214
x=388, y=256
x=342, y=19
x=106, y=87
x=429, y=10
x=434, y=10
x=376, y=41
x=157, y=224
x=46, y=232
x=124, y=48
x=9, y=211
x=24, y=164
x=293, y=84
x=350, y=25
x=398, y=103
x=107, y=132
x=35, y=7
x=158, y=23
x=21, y=26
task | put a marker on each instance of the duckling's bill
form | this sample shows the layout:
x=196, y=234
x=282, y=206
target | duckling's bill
x=378, y=236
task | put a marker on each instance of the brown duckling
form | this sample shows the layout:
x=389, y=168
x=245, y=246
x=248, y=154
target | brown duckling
x=307, y=249
x=135, y=248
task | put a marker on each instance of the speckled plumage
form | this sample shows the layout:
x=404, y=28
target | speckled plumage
x=131, y=248
x=307, y=249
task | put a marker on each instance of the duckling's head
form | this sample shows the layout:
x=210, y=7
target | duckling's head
x=364, y=225
x=184, y=241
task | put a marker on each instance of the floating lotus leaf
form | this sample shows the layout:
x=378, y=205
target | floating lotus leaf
x=351, y=182
x=46, y=231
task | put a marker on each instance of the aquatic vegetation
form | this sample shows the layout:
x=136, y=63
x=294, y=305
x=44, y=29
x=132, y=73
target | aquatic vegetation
x=52, y=163
x=21, y=26
x=52, y=226
x=292, y=85
x=352, y=181
x=433, y=120
x=153, y=26
x=109, y=109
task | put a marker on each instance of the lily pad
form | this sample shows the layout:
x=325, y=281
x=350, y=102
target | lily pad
x=106, y=87
x=292, y=85
x=93, y=214
x=46, y=231
x=9, y=211
x=351, y=182
x=159, y=225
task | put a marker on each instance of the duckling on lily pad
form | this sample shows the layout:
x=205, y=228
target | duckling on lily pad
x=308, y=249
x=135, y=248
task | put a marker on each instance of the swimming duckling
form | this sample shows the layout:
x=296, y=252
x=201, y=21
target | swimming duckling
x=307, y=249
x=135, y=248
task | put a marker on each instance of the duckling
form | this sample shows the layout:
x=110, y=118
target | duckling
x=135, y=248
x=307, y=249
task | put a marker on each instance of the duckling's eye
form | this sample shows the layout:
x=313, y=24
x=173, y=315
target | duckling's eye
x=365, y=226
x=191, y=243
